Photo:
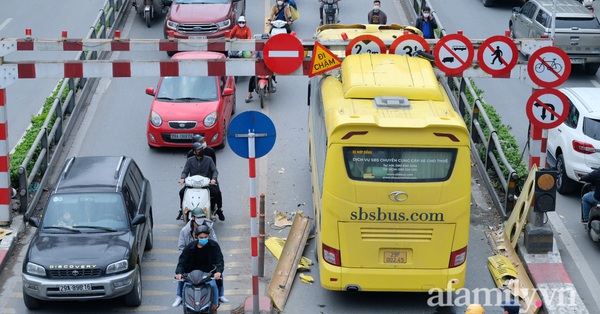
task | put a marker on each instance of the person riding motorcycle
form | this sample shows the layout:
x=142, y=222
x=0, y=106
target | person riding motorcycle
x=321, y=9
x=591, y=197
x=205, y=255
x=204, y=166
x=281, y=11
x=208, y=151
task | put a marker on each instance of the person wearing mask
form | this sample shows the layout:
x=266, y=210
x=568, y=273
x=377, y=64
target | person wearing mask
x=208, y=151
x=426, y=23
x=592, y=197
x=321, y=9
x=186, y=236
x=204, y=255
x=280, y=11
x=204, y=166
x=376, y=16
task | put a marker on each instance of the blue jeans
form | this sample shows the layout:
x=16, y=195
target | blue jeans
x=220, y=288
x=586, y=204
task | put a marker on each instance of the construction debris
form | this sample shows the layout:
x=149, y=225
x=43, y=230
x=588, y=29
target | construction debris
x=306, y=279
x=4, y=232
x=275, y=245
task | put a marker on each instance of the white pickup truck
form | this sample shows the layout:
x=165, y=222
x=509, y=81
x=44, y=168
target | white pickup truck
x=577, y=29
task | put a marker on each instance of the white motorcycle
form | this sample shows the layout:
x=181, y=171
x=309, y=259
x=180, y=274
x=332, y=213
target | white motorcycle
x=197, y=195
x=278, y=27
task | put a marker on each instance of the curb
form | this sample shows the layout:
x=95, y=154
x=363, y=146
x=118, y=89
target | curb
x=552, y=282
x=17, y=227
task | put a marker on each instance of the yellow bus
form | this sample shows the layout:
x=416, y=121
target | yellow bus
x=391, y=177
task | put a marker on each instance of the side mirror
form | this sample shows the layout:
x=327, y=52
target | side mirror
x=228, y=91
x=150, y=91
x=139, y=219
x=34, y=221
x=516, y=10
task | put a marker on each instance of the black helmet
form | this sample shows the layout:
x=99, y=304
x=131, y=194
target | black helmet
x=197, y=138
x=202, y=229
x=197, y=146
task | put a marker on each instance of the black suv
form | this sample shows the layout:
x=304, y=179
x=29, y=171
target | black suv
x=91, y=238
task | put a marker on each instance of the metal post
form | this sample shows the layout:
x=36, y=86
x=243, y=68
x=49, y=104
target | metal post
x=4, y=162
x=261, y=237
x=253, y=220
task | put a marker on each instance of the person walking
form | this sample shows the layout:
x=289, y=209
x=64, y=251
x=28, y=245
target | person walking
x=376, y=16
x=426, y=23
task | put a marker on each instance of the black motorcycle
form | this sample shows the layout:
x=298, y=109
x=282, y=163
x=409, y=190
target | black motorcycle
x=593, y=224
x=330, y=12
x=197, y=293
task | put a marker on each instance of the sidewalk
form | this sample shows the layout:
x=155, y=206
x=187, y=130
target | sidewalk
x=7, y=244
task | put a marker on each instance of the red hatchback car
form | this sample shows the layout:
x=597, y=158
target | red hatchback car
x=188, y=105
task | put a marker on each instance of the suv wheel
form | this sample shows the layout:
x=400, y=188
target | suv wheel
x=563, y=183
x=31, y=302
x=134, y=298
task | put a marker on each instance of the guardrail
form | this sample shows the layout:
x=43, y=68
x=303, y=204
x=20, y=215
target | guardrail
x=495, y=162
x=58, y=125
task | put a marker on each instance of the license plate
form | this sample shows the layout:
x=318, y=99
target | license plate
x=81, y=287
x=181, y=136
x=197, y=37
x=577, y=61
x=394, y=257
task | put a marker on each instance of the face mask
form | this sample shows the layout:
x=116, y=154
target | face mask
x=242, y=24
x=425, y=14
x=279, y=2
x=376, y=8
x=203, y=242
x=200, y=153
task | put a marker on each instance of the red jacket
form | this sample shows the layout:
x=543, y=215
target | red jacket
x=241, y=32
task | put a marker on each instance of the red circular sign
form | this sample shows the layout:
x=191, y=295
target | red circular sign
x=547, y=108
x=453, y=54
x=408, y=45
x=366, y=44
x=549, y=67
x=497, y=55
x=283, y=53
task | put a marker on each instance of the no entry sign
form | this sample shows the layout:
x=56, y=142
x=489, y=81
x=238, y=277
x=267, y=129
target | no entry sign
x=497, y=55
x=547, y=108
x=454, y=54
x=409, y=45
x=365, y=44
x=283, y=53
x=549, y=67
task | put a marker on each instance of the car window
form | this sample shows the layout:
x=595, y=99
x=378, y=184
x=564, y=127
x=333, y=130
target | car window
x=105, y=210
x=188, y=88
x=573, y=116
x=586, y=23
x=543, y=18
x=528, y=10
x=129, y=204
x=591, y=128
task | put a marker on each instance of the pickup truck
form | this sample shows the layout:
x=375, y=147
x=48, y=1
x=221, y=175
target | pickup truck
x=577, y=30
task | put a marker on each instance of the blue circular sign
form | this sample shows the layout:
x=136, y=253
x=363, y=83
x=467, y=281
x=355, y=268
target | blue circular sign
x=251, y=124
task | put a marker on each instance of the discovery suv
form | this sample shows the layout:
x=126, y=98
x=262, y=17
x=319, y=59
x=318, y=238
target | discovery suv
x=202, y=19
x=92, y=235
x=573, y=147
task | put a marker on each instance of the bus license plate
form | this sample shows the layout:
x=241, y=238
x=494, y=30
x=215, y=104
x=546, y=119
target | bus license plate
x=181, y=136
x=82, y=287
x=394, y=257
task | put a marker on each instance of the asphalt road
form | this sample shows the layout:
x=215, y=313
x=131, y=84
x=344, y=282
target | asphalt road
x=115, y=123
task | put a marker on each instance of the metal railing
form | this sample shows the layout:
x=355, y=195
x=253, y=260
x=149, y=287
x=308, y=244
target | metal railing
x=495, y=163
x=58, y=124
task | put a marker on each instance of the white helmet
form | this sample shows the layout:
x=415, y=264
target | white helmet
x=241, y=19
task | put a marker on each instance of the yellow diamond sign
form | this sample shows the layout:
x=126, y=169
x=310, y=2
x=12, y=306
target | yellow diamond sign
x=323, y=60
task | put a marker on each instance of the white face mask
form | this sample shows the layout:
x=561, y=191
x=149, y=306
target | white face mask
x=279, y=2
x=376, y=8
x=425, y=14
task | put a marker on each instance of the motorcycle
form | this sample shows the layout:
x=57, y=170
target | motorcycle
x=264, y=83
x=197, y=195
x=588, y=4
x=593, y=225
x=330, y=12
x=149, y=9
x=197, y=293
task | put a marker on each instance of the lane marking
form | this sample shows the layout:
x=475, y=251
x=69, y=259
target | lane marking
x=595, y=83
x=8, y=20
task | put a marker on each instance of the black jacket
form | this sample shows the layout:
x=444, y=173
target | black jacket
x=209, y=151
x=203, y=166
x=205, y=259
x=432, y=23
x=593, y=178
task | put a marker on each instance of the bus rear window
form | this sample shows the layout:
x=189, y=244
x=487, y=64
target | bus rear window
x=390, y=164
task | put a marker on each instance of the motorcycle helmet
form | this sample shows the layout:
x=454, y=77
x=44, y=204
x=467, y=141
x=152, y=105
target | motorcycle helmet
x=202, y=229
x=197, y=138
x=475, y=309
x=242, y=19
x=198, y=213
x=198, y=145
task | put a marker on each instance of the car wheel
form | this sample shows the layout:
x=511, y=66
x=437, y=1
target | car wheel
x=564, y=184
x=150, y=238
x=487, y=3
x=31, y=302
x=134, y=298
x=224, y=141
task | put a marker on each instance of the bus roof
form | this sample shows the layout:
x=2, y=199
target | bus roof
x=385, y=32
x=370, y=75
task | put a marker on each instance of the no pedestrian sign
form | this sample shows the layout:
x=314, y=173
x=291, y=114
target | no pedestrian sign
x=323, y=60
x=497, y=56
x=547, y=108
